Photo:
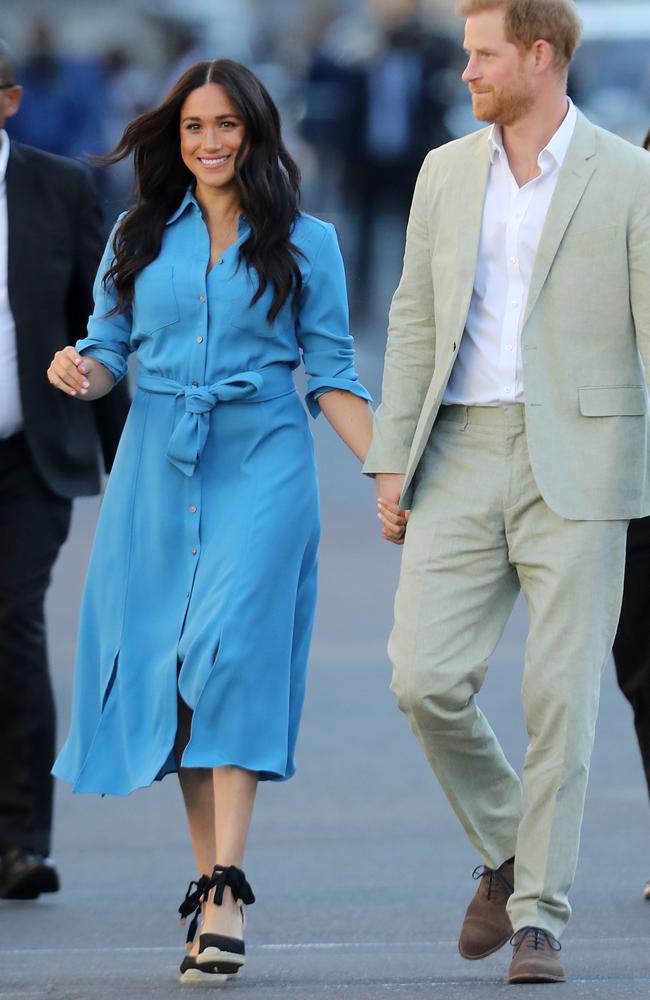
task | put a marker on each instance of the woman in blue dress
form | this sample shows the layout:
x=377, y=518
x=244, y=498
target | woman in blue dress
x=199, y=601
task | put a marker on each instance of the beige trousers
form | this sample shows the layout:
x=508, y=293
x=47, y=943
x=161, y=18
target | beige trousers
x=479, y=530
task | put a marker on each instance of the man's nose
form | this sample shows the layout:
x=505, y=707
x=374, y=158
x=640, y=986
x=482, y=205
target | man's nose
x=471, y=70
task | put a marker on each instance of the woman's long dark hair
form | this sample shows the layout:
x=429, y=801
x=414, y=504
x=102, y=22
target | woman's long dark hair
x=267, y=182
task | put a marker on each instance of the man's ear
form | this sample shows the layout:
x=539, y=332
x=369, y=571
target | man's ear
x=543, y=54
x=13, y=97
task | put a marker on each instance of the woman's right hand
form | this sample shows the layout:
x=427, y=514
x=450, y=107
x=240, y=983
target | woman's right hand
x=79, y=376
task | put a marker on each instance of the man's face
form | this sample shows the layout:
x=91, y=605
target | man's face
x=10, y=95
x=499, y=74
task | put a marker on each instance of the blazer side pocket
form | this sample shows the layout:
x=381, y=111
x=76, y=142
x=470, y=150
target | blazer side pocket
x=612, y=400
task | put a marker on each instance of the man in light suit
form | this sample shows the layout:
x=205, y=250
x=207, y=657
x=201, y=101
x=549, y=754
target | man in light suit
x=514, y=426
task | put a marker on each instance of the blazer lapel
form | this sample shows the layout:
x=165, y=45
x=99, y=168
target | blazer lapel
x=20, y=252
x=472, y=185
x=575, y=174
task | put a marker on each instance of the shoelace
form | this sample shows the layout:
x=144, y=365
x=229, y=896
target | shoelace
x=221, y=877
x=482, y=871
x=540, y=938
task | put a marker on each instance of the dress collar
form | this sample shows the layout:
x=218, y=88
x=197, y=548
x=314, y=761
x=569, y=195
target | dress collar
x=190, y=199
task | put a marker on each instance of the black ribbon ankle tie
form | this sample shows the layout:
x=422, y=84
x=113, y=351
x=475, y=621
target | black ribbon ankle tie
x=198, y=892
x=482, y=871
x=192, y=904
x=235, y=879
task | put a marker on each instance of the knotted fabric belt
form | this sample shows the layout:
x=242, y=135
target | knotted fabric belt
x=190, y=434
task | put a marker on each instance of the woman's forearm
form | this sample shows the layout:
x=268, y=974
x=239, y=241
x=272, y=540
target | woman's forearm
x=351, y=418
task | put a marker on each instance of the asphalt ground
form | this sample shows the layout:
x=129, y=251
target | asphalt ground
x=361, y=871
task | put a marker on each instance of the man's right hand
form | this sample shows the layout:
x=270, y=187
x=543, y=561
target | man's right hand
x=393, y=518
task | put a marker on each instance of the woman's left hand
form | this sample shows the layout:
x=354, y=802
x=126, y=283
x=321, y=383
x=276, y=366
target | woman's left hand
x=393, y=520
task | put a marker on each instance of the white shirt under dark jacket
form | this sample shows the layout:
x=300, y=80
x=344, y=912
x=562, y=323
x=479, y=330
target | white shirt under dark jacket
x=11, y=412
x=488, y=369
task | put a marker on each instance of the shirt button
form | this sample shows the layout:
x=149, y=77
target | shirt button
x=194, y=383
x=192, y=509
x=515, y=302
x=220, y=260
x=506, y=388
x=199, y=340
x=194, y=551
x=508, y=347
x=201, y=298
x=514, y=260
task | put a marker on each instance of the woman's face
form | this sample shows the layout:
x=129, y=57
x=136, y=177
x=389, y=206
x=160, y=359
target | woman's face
x=211, y=133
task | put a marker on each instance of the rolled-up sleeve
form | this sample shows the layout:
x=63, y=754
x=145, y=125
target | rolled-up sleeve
x=323, y=329
x=109, y=337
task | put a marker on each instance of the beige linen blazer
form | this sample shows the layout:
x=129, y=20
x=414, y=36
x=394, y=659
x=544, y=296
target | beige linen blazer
x=586, y=332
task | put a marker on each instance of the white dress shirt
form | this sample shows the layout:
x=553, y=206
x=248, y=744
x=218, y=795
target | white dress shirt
x=11, y=411
x=488, y=369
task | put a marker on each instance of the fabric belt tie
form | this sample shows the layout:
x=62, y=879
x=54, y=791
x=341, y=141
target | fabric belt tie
x=190, y=434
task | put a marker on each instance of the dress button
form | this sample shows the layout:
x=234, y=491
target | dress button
x=199, y=340
x=194, y=551
x=192, y=509
x=201, y=298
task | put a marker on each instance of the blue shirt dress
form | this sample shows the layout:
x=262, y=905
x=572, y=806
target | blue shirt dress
x=202, y=578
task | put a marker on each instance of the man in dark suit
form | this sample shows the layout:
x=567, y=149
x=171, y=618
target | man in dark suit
x=632, y=642
x=50, y=245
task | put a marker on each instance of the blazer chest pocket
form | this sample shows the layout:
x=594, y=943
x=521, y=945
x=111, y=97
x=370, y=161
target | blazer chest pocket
x=613, y=401
x=154, y=304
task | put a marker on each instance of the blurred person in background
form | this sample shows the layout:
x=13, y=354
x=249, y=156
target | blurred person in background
x=200, y=595
x=50, y=245
x=514, y=421
x=63, y=110
x=632, y=642
x=375, y=105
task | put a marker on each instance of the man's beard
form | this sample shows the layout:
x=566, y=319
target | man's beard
x=506, y=106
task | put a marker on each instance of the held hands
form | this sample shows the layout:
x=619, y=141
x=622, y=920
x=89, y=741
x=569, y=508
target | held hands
x=393, y=519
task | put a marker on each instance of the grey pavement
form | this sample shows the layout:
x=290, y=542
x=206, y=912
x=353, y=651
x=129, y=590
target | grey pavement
x=361, y=871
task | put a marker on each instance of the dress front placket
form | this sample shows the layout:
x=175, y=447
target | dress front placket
x=196, y=337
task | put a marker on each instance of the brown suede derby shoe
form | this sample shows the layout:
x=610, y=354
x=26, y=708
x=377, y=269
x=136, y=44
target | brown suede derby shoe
x=486, y=926
x=535, y=957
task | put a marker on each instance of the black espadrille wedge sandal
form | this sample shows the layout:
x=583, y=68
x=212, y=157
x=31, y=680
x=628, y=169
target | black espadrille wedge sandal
x=190, y=973
x=227, y=954
x=219, y=956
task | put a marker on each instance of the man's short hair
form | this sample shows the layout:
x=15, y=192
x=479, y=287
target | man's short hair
x=527, y=21
x=7, y=64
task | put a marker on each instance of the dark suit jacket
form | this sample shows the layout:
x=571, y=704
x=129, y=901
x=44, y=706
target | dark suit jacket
x=55, y=243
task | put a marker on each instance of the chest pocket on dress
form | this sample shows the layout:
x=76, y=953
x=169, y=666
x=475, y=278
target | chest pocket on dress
x=154, y=304
x=253, y=319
